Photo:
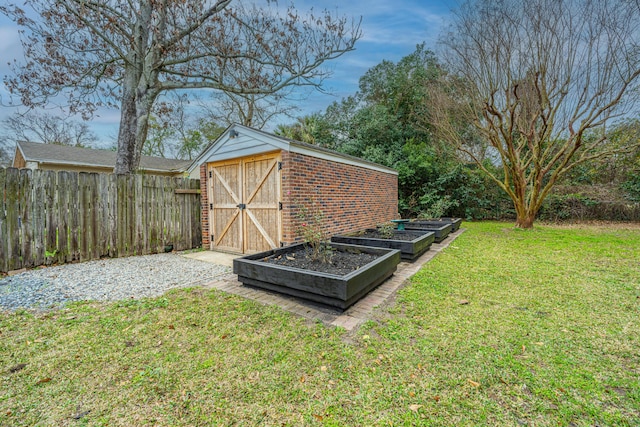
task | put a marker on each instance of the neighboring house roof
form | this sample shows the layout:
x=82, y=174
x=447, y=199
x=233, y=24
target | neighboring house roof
x=76, y=156
x=240, y=141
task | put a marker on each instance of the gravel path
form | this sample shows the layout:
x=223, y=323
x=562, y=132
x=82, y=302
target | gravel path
x=104, y=280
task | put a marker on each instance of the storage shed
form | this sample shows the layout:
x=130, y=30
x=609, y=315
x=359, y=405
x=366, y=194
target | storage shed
x=251, y=182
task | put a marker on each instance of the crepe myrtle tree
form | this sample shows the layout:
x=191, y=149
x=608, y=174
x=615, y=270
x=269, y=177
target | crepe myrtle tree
x=541, y=82
x=127, y=53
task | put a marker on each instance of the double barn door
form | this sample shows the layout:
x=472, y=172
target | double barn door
x=244, y=196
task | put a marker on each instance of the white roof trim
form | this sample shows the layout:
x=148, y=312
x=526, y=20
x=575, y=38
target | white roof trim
x=279, y=143
x=339, y=159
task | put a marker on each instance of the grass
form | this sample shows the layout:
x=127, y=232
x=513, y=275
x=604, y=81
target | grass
x=505, y=327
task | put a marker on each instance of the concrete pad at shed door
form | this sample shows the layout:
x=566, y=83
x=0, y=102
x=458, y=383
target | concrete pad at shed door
x=220, y=258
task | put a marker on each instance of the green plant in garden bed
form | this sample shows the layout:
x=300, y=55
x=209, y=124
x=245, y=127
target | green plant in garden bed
x=505, y=327
x=313, y=231
x=386, y=230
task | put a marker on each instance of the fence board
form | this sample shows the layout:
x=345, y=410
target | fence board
x=113, y=215
x=74, y=216
x=102, y=198
x=95, y=215
x=196, y=226
x=51, y=217
x=50, y=182
x=139, y=214
x=13, y=226
x=62, y=210
x=121, y=222
x=4, y=242
x=26, y=225
x=38, y=219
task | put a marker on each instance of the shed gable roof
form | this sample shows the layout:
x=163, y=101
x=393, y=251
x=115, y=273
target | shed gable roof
x=241, y=141
x=77, y=156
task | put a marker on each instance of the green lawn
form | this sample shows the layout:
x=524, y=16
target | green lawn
x=550, y=336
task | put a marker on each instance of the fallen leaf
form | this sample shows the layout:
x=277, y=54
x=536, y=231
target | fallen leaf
x=302, y=379
x=524, y=348
x=463, y=302
x=412, y=394
x=18, y=367
x=44, y=380
x=291, y=258
x=323, y=368
x=436, y=398
x=473, y=383
x=318, y=417
x=415, y=407
x=80, y=415
x=171, y=327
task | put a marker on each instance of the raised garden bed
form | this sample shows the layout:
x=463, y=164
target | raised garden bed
x=410, y=243
x=441, y=231
x=289, y=271
x=455, y=222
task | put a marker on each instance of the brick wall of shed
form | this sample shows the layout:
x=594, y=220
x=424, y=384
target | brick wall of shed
x=204, y=203
x=350, y=197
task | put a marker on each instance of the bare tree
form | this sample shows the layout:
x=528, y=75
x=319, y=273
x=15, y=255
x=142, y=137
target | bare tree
x=126, y=54
x=5, y=154
x=249, y=109
x=177, y=131
x=536, y=78
x=47, y=129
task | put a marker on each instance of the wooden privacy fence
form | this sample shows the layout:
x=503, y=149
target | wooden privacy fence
x=49, y=217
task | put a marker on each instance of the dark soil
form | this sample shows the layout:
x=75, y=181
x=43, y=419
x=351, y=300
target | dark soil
x=397, y=235
x=341, y=263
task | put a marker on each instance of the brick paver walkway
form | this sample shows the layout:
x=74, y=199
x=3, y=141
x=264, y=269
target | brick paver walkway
x=348, y=319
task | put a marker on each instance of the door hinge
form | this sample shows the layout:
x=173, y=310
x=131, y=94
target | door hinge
x=210, y=174
x=279, y=166
x=279, y=206
x=210, y=206
x=241, y=206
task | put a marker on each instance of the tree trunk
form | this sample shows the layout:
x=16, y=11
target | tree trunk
x=525, y=222
x=526, y=213
x=127, y=133
x=137, y=100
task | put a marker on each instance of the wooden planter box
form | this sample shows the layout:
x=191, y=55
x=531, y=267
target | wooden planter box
x=441, y=231
x=455, y=222
x=409, y=249
x=339, y=291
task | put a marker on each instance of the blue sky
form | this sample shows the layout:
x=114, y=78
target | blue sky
x=391, y=30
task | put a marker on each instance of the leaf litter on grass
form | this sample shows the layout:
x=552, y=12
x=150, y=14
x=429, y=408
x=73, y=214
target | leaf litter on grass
x=228, y=360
